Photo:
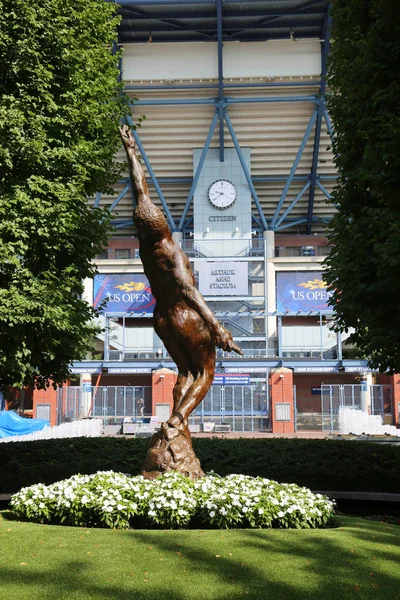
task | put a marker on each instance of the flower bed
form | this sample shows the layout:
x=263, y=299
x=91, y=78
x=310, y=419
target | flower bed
x=115, y=500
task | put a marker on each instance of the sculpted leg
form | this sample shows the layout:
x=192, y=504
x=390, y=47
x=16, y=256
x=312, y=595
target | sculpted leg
x=181, y=387
x=171, y=448
x=194, y=395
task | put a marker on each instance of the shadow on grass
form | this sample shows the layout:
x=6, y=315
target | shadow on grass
x=359, y=561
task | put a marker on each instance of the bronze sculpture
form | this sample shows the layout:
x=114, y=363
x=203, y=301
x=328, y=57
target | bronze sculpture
x=183, y=321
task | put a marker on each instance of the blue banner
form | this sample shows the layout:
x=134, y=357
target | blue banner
x=123, y=293
x=301, y=290
x=222, y=379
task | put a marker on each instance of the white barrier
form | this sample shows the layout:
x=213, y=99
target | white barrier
x=353, y=420
x=81, y=428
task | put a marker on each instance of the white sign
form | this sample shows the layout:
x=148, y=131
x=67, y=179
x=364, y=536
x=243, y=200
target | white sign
x=223, y=278
x=316, y=369
x=129, y=370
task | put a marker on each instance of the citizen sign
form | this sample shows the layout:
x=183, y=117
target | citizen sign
x=214, y=218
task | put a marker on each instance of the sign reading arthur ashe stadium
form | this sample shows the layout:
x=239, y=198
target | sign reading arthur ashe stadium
x=302, y=290
x=223, y=278
x=123, y=293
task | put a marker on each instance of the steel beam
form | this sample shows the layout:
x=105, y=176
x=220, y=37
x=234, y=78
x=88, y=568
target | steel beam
x=245, y=170
x=293, y=204
x=220, y=82
x=119, y=197
x=291, y=224
x=199, y=169
x=329, y=125
x=325, y=191
x=293, y=169
x=168, y=101
x=325, y=45
x=97, y=199
x=203, y=86
x=124, y=224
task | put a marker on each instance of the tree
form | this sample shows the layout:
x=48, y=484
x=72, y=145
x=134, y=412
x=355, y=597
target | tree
x=60, y=105
x=363, y=267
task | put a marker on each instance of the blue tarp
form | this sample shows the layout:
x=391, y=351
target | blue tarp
x=13, y=424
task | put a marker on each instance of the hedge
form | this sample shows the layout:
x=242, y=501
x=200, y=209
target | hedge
x=339, y=465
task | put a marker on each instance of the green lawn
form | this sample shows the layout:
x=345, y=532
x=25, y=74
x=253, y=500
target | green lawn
x=357, y=559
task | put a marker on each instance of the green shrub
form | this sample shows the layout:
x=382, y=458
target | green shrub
x=317, y=464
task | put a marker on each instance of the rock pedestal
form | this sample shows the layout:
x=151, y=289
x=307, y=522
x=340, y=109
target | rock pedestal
x=171, y=449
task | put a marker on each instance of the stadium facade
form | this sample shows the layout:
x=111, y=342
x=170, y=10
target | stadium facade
x=237, y=148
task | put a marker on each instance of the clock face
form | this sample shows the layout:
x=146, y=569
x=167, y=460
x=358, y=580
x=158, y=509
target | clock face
x=222, y=194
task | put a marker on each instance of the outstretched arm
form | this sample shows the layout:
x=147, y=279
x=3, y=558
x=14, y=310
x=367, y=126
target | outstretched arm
x=219, y=334
x=184, y=278
x=136, y=171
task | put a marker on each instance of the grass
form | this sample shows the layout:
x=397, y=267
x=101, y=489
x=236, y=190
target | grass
x=357, y=558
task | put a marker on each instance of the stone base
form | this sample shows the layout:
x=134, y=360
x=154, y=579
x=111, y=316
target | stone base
x=170, y=449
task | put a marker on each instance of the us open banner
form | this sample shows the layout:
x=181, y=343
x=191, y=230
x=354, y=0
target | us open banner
x=301, y=291
x=123, y=292
x=223, y=278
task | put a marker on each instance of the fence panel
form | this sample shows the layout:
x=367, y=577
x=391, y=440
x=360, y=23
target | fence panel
x=381, y=401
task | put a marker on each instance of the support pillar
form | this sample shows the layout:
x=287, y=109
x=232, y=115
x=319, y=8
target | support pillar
x=45, y=405
x=270, y=292
x=366, y=381
x=162, y=382
x=85, y=400
x=282, y=401
x=394, y=382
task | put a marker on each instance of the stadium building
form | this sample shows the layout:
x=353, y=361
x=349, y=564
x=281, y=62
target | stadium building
x=234, y=98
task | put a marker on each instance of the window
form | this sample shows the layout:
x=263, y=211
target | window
x=122, y=253
x=258, y=325
x=293, y=251
x=103, y=255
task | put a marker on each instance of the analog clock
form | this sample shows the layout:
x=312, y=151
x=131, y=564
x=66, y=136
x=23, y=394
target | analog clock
x=222, y=193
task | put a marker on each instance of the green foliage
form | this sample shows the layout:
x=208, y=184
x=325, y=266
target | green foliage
x=364, y=265
x=60, y=106
x=116, y=500
x=316, y=464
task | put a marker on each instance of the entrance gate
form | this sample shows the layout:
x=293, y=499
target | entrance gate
x=335, y=396
x=241, y=408
x=381, y=401
x=112, y=403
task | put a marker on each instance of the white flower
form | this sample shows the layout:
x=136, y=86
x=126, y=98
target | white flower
x=281, y=514
x=260, y=511
x=212, y=513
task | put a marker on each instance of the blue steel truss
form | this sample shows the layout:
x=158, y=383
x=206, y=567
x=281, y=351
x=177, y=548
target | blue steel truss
x=216, y=21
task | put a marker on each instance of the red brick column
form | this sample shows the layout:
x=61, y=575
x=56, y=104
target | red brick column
x=281, y=382
x=47, y=396
x=162, y=383
x=394, y=381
